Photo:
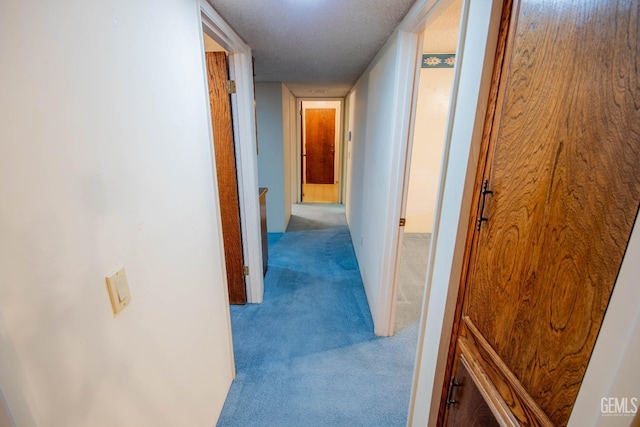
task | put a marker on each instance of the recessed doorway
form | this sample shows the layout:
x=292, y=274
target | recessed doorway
x=320, y=151
x=424, y=160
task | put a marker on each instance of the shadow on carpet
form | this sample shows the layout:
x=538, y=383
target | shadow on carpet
x=307, y=355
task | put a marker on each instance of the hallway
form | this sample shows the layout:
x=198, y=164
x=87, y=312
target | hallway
x=307, y=355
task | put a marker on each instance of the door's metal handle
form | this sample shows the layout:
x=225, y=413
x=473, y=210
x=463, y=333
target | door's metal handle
x=484, y=191
x=452, y=385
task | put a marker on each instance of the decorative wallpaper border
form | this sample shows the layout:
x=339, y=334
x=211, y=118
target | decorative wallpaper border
x=438, y=60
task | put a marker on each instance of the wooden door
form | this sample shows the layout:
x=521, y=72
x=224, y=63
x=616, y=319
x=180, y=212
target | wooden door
x=468, y=407
x=557, y=196
x=320, y=138
x=217, y=71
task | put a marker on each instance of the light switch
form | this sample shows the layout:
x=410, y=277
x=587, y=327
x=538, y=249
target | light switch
x=118, y=289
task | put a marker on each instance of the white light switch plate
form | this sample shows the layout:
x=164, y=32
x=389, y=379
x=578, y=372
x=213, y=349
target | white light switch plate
x=118, y=289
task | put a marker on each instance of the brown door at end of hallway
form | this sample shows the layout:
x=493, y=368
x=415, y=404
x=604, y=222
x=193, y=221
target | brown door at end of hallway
x=558, y=191
x=320, y=137
x=225, y=157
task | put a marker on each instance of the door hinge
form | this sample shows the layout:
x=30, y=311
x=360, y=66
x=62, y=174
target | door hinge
x=231, y=86
x=403, y=222
x=245, y=270
x=452, y=385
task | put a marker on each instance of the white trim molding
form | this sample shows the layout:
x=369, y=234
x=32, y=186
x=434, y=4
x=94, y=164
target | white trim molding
x=407, y=64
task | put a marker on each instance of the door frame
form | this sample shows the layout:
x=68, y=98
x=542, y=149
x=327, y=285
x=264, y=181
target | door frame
x=296, y=152
x=405, y=96
x=337, y=106
x=244, y=128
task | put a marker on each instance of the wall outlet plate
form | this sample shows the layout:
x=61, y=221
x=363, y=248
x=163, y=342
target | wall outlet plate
x=118, y=289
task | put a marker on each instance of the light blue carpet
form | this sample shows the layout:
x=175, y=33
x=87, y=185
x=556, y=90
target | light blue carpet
x=307, y=355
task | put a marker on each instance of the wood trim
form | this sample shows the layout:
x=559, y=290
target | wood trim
x=496, y=403
x=217, y=71
x=510, y=389
x=483, y=163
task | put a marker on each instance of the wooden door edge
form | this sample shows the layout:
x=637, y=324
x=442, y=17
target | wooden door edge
x=483, y=162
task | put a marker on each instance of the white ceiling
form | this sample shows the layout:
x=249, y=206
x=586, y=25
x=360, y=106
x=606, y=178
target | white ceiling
x=313, y=45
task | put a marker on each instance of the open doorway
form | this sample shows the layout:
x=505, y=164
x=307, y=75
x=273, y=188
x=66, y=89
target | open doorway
x=217, y=65
x=424, y=161
x=320, y=123
x=219, y=37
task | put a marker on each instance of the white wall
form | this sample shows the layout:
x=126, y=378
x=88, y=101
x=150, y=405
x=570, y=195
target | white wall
x=273, y=167
x=613, y=368
x=294, y=148
x=5, y=417
x=434, y=98
x=286, y=152
x=371, y=153
x=106, y=161
x=349, y=135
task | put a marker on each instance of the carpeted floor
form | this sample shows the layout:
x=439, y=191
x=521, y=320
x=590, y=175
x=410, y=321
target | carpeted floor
x=414, y=254
x=307, y=355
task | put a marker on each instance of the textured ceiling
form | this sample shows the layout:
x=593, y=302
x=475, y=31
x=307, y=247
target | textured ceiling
x=316, y=47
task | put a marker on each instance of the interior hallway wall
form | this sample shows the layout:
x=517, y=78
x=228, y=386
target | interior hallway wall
x=286, y=152
x=432, y=113
x=106, y=161
x=350, y=115
x=434, y=96
x=274, y=170
x=370, y=165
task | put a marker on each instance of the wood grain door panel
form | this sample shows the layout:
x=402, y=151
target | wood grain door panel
x=563, y=168
x=226, y=174
x=511, y=403
x=468, y=406
x=320, y=137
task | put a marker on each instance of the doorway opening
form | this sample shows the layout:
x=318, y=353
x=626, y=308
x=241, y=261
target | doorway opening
x=217, y=65
x=218, y=35
x=424, y=161
x=320, y=150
